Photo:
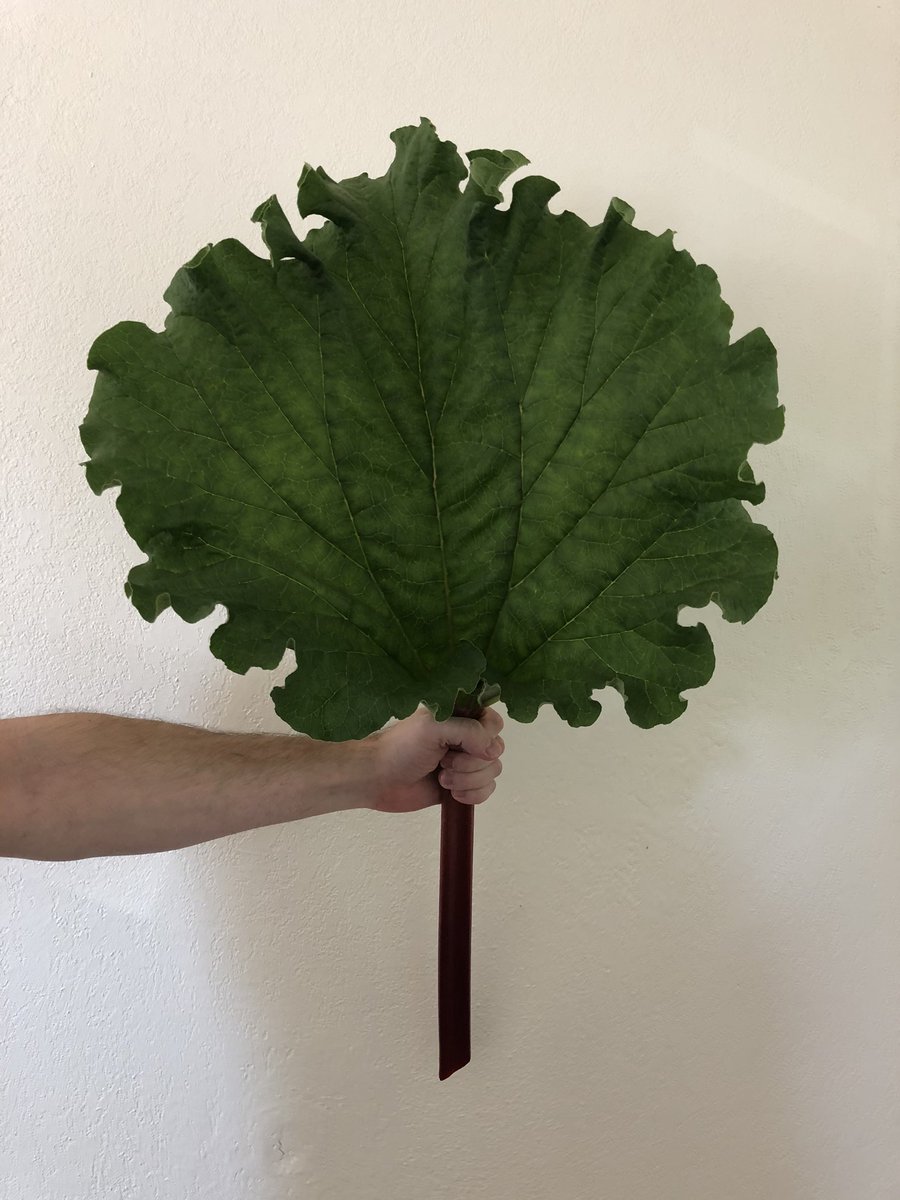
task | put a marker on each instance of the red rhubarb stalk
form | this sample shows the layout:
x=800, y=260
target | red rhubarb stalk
x=455, y=923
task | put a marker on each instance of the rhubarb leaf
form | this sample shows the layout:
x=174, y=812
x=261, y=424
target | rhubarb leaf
x=437, y=444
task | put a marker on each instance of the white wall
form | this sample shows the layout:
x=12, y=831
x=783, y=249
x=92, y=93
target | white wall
x=687, y=942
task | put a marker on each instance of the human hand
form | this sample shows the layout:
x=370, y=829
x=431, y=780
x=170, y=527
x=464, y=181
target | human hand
x=416, y=757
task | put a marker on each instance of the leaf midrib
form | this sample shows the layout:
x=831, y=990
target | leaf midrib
x=451, y=637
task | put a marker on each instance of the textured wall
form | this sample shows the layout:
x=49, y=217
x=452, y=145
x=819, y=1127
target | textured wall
x=687, y=950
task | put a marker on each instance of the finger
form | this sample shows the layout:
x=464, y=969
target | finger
x=478, y=796
x=459, y=780
x=492, y=721
x=468, y=734
x=464, y=763
x=467, y=762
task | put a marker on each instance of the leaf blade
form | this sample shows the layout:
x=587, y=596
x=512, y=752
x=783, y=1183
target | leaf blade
x=435, y=443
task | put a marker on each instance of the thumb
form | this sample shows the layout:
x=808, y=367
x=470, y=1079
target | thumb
x=467, y=733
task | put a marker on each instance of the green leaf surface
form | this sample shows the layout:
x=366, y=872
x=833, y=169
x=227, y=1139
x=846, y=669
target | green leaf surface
x=437, y=445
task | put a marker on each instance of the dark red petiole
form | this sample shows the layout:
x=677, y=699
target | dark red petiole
x=455, y=926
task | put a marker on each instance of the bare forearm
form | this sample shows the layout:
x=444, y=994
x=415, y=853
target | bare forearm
x=78, y=785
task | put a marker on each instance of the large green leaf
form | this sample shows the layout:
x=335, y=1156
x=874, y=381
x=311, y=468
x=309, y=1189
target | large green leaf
x=438, y=441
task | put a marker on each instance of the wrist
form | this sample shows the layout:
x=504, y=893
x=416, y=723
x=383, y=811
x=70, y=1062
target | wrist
x=350, y=775
x=291, y=776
